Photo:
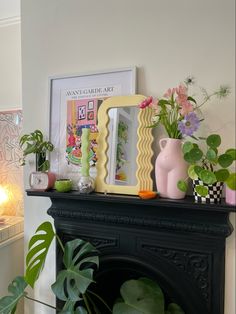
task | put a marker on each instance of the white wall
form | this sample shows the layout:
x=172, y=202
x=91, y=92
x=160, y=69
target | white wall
x=10, y=67
x=167, y=40
x=11, y=257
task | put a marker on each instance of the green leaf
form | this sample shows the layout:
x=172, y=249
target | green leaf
x=222, y=175
x=30, y=148
x=187, y=147
x=198, y=170
x=37, y=251
x=225, y=160
x=194, y=155
x=231, y=152
x=192, y=99
x=163, y=102
x=68, y=308
x=142, y=296
x=191, y=172
x=213, y=140
x=201, y=190
x=211, y=155
x=45, y=166
x=182, y=186
x=231, y=181
x=75, y=279
x=207, y=177
x=81, y=310
x=8, y=304
x=175, y=309
x=37, y=135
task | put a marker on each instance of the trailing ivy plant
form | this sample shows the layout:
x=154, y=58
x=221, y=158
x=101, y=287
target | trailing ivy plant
x=34, y=143
x=80, y=259
x=207, y=165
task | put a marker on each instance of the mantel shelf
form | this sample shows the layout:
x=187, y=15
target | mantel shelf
x=183, y=204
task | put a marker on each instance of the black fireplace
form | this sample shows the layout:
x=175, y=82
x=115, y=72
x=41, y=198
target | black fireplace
x=177, y=243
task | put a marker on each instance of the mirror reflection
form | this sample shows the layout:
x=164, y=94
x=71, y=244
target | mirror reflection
x=122, y=146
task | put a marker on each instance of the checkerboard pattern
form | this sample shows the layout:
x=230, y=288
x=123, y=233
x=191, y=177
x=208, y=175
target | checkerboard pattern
x=214, y=192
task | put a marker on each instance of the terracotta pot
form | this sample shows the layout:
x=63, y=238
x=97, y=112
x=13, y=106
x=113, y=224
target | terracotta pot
x=230, y=196
x=170, y=167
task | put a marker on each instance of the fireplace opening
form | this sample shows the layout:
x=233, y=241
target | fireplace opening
x=115, y=270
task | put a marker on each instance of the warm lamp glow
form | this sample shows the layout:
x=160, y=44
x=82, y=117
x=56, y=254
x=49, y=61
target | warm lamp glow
x=11, y=199
x=3, y=195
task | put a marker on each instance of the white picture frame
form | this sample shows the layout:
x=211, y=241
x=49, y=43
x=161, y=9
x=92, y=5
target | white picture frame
x=71, y=90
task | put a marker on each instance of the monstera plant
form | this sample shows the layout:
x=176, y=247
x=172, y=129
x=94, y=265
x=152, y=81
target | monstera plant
x=80, y=259
x=34, y=143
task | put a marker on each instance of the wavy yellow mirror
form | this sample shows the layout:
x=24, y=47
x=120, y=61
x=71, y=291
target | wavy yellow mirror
x=124, y=155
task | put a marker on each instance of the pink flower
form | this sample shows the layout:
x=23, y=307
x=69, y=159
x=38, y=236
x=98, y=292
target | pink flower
x=169, y=93
x=145, y=103
x=186, y=108
x=181, y=90
x=182, y=97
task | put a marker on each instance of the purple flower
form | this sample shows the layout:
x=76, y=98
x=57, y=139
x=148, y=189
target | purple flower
x=189, y=124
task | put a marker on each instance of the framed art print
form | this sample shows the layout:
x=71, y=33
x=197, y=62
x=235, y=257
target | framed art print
x=74, y=104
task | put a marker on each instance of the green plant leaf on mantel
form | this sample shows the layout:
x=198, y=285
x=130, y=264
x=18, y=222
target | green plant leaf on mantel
x=192, y=173
x=231, y=152
x=207, y=177
x=225, y=160
x=222, y=175
x=75, y=279
x=201, y=190
x=37, y=251
x=17, y=289
x=187, y=147
x=213, y=140
x=194, y=155
x=142, y=296
x=231, y=181
x=182, y=185
x=211, y=155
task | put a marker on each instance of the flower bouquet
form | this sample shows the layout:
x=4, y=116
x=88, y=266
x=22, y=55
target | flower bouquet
x=178, y=112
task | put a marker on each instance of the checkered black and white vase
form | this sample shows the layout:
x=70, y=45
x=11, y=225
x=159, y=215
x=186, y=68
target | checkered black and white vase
x=214, y=192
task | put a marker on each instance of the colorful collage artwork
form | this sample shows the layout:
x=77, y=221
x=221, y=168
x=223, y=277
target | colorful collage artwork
x=81, y=114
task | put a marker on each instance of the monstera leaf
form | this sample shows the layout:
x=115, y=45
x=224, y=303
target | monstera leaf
x=142, y=296
x=38, y=248
x=69, y=308
x=75, y=279
x=16, y=288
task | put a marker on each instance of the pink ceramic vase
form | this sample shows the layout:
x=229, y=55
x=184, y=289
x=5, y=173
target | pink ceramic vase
x=230, y=196
x=170, y=167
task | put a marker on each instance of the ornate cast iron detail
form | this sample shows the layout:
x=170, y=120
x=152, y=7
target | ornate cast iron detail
x=169, y=224
x=100, y=243
x=196, y=265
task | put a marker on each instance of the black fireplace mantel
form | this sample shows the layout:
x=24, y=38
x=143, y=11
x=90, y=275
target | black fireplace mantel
x=179, y=243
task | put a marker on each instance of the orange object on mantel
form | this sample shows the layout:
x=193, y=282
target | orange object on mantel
x=147, y=194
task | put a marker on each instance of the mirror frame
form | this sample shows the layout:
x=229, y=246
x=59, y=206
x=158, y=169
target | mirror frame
x=145, y=153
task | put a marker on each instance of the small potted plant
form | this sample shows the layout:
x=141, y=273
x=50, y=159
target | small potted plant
x=34, y=143
x=208, y=169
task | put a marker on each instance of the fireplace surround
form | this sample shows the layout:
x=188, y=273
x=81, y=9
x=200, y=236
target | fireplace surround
x=178, y=243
